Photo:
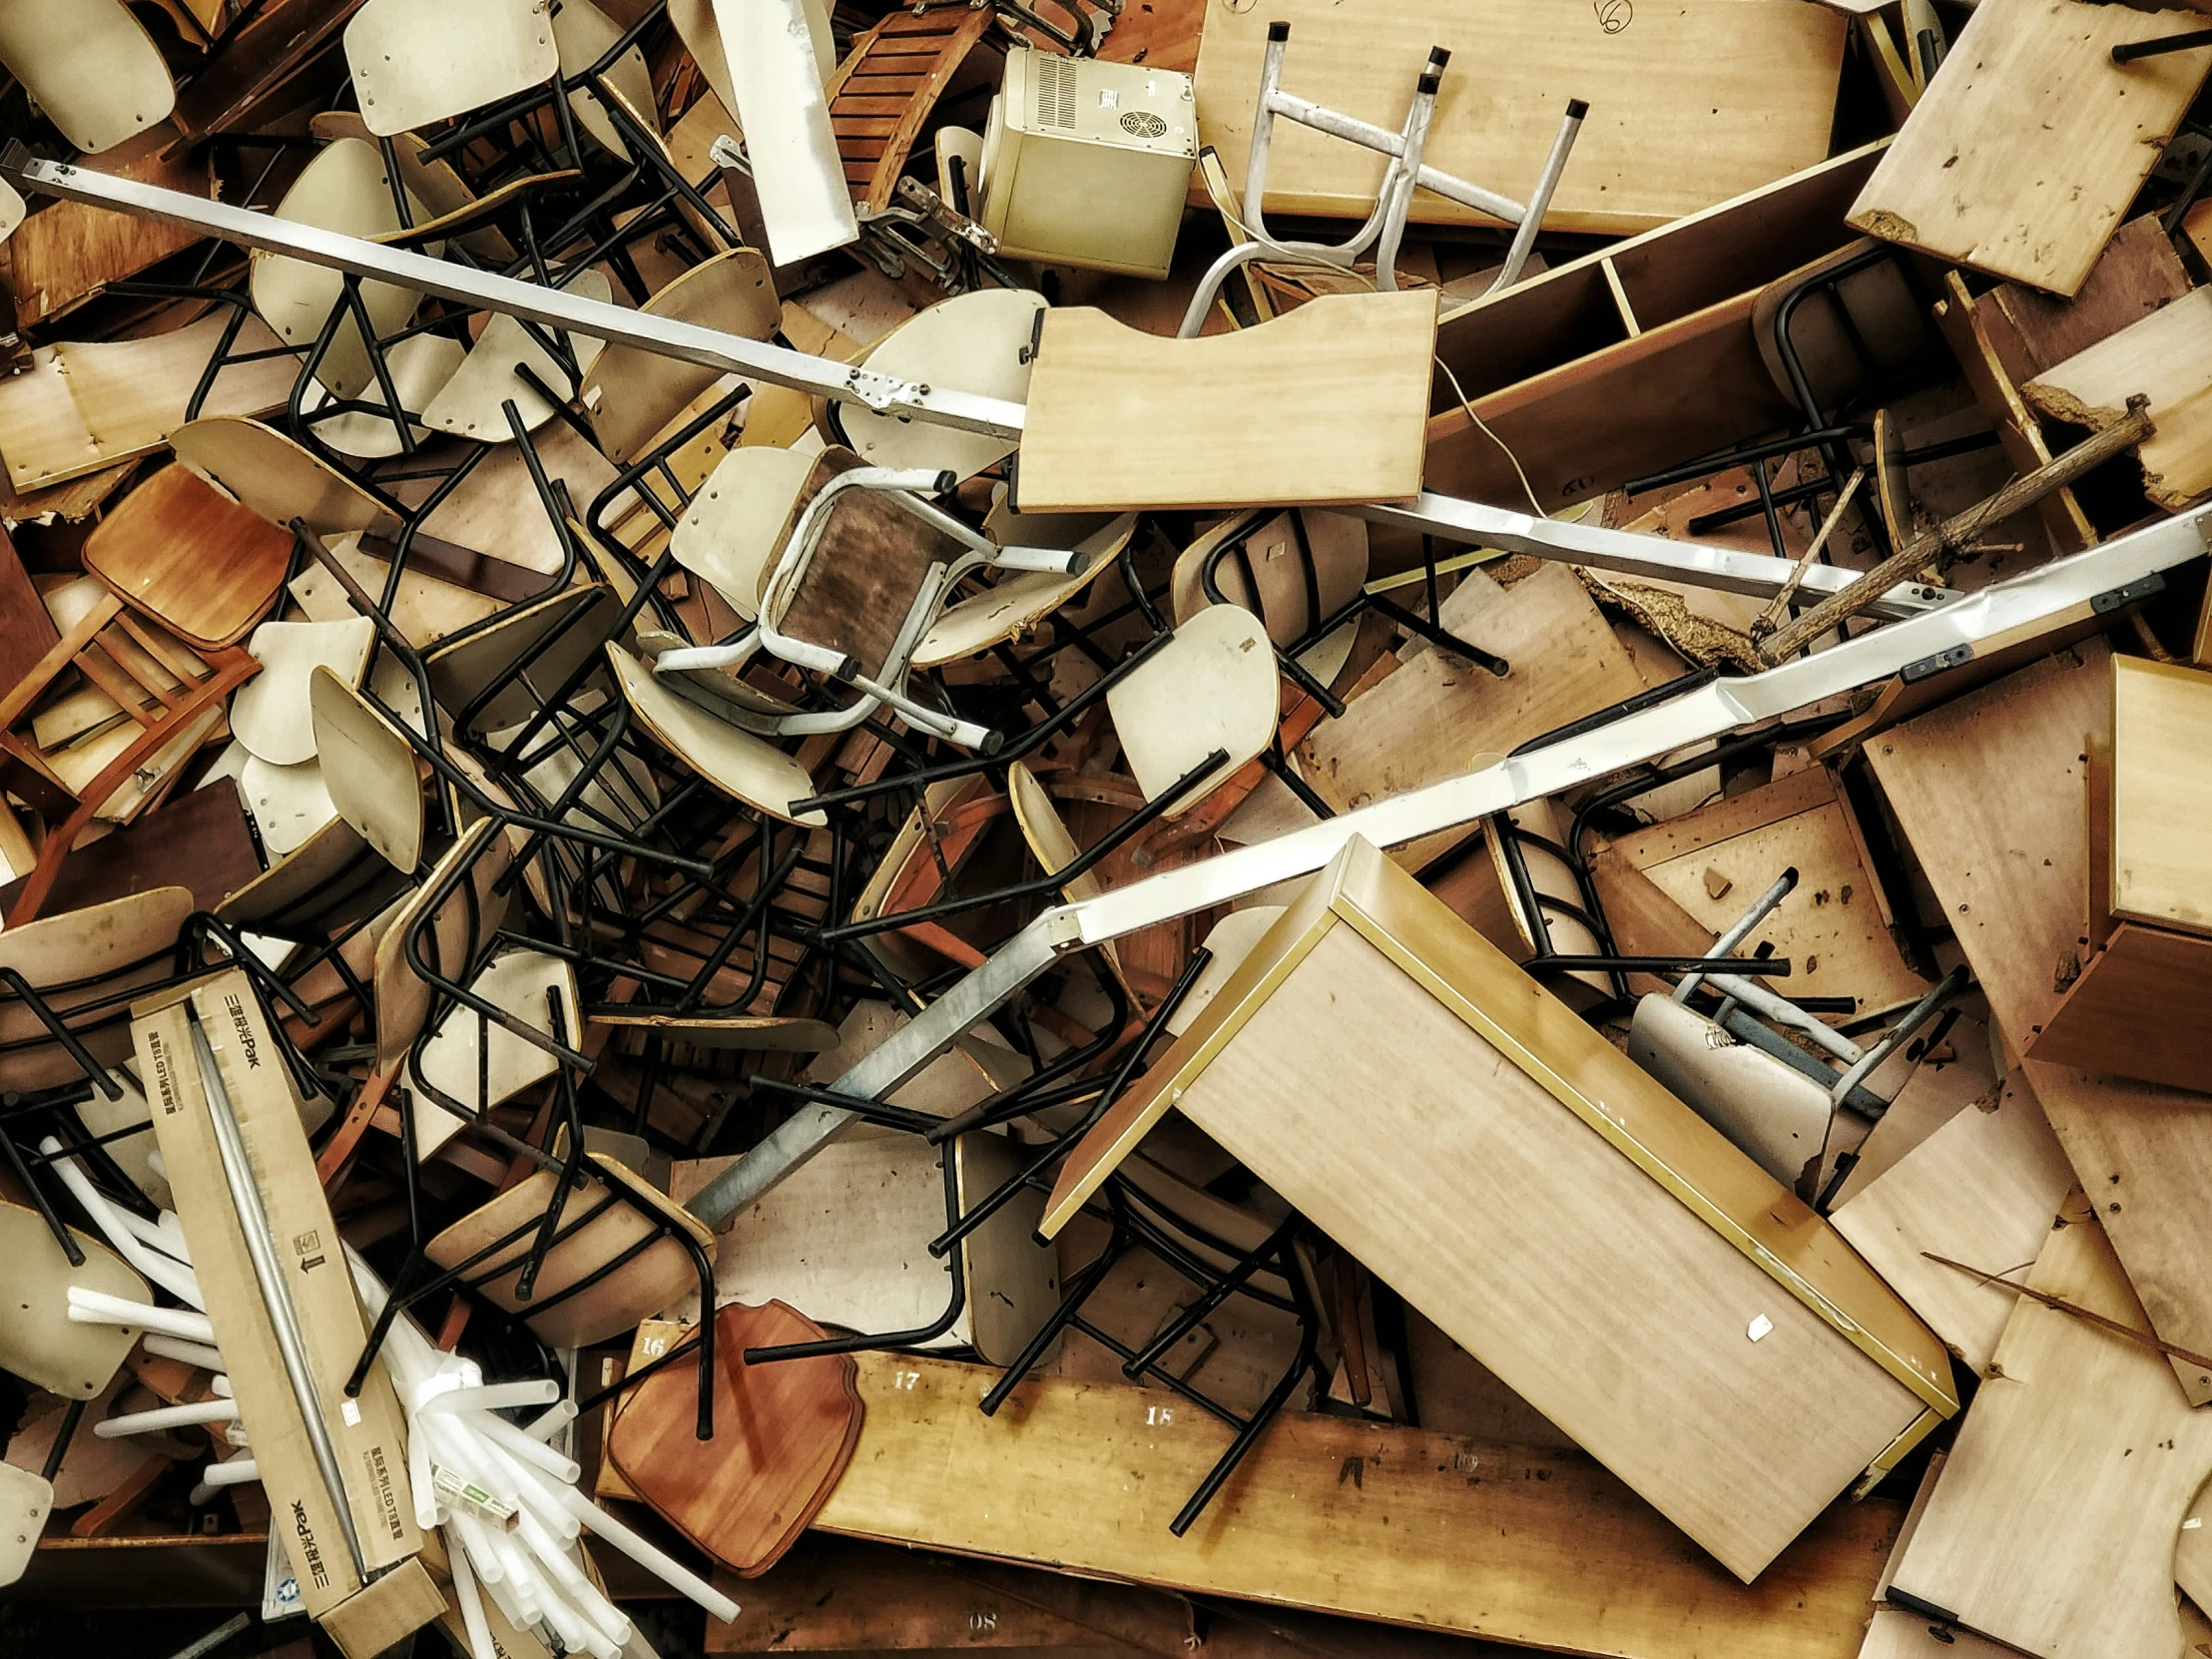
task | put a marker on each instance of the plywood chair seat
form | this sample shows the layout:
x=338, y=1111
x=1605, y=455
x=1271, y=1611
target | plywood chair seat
x=277, y=478
x=416, y=62
x=87, y=964
x=977, y=343
x=482, y=1064
x=745, y=766
x=1293, y=570
x=1016, y=603
x=472, y=404
x=1214, y=685
x=597, y=1224
x=38, y=1339
x=345, y=188
x=784, y=1434
x=195, y=560
x=271, y=716
x=370, y=767
x=631, y=395
x=95, y=72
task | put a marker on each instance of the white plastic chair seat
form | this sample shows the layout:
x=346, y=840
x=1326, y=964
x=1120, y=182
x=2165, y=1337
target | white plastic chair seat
x=1212, y=685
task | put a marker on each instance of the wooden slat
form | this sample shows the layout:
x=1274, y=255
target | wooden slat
x=862, y=126
x=890, y=84
x=868, y=149
x=870, y=106
x=1328, y=1512
x=141, y=702
x=2165, y=358
x=858, y=173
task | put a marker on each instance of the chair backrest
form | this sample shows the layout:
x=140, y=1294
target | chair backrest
x=472, y=405
x=87, y=965
x=744, y=766
x=480, y=1063
x=270, y=717
x=633, y=395
x=331, y=881
x=202, y=564
x=276, y=478
x=1773, y=1114
x=368, y=767
x=344, y=189
x=975, y=343
x=453, y=914
x=1212, y=685
x=734, y=528
x=1294, y=569
x=94, y=70
x=584, y=34
x=416, y=62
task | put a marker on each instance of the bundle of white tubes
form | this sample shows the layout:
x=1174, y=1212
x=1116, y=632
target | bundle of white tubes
x=505, y=1500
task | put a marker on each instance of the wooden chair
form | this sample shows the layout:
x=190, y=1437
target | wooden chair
x=170, y=695
x=84, y=967
x=203, y=566
x=886, y=87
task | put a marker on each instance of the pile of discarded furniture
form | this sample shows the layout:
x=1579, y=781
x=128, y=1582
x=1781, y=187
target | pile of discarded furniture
x=1150, y=827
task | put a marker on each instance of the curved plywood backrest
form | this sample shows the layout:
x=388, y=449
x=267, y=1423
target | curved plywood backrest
x=744, y=766
x=420, y=366
x=1017, y=603
x=182, y=551
x=344, y=189
x=735, y=528
x=94, y=70
x=271, y=716
x=570, y=625
x=368, y=767
x=461, y=918
x=481, y=1064
x=1212, y=685
x=584, y=34
x=633, y=395
x=434, y=182
x=975, y=342
x=472, y=405
x=97, y=955
x=415, y=62
x=275, y=477
x=38, y=1339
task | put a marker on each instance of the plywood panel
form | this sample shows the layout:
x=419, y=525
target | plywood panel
x=1989, y=791
x=1326, y=1512
x=2051, y=1527
x=2138, y=1011
x=1982, y=1190
x=2165, y=358
x=2038, y=203
x=2161, y=795
x=1690, y=104
x=1325, y=405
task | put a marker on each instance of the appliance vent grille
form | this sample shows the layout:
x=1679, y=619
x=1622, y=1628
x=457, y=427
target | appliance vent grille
x=1056, y=92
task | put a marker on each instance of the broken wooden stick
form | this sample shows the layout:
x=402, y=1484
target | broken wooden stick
x=2024, y=491
x=2159, y=1343
x=1771, y=619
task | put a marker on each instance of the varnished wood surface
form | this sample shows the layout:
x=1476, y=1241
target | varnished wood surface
x=784, y=1434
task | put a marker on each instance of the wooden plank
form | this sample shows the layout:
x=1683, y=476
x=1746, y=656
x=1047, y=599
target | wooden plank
x=1689, y=104
x=2160, y=723
x=2138, y=272
x=68, y=251
x=2051, y=1527
x=2163, y=358
x=27, y=631
x=1982, y=1190
x=2038, y=203
x=1162, y=34
x=1325, y=405
x=1434, y=715
x=1988, y=789
x=1332, y=1514
x=1830, y=926
x=2138, y=1011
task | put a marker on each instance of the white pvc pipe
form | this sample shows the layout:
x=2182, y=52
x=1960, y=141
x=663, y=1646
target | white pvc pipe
x=98, y=1308
x=239, y=1471
x=164, y=1418
x=544, y=1428
x=480, y=1644
x=494, y=1396
x=660, y=1565
x=193, y=1354
x=171, y=1275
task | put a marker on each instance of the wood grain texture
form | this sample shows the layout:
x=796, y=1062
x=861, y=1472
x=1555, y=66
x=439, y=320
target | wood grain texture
x=1982, y=1190
x=1689, y=104
x=68, y=251
x=188, y=555
x=1545, y=1254
x=2160, y=797
x=2137, y=1011
x=1365, y=1518
x=1988, y=789
x=2138, y=272
x=1325, y=405
x=2051, y=1527
x=1431, y=718
x=1830, y=926
x=784, y=1434
x=2039, y=205
x=2165, y=358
